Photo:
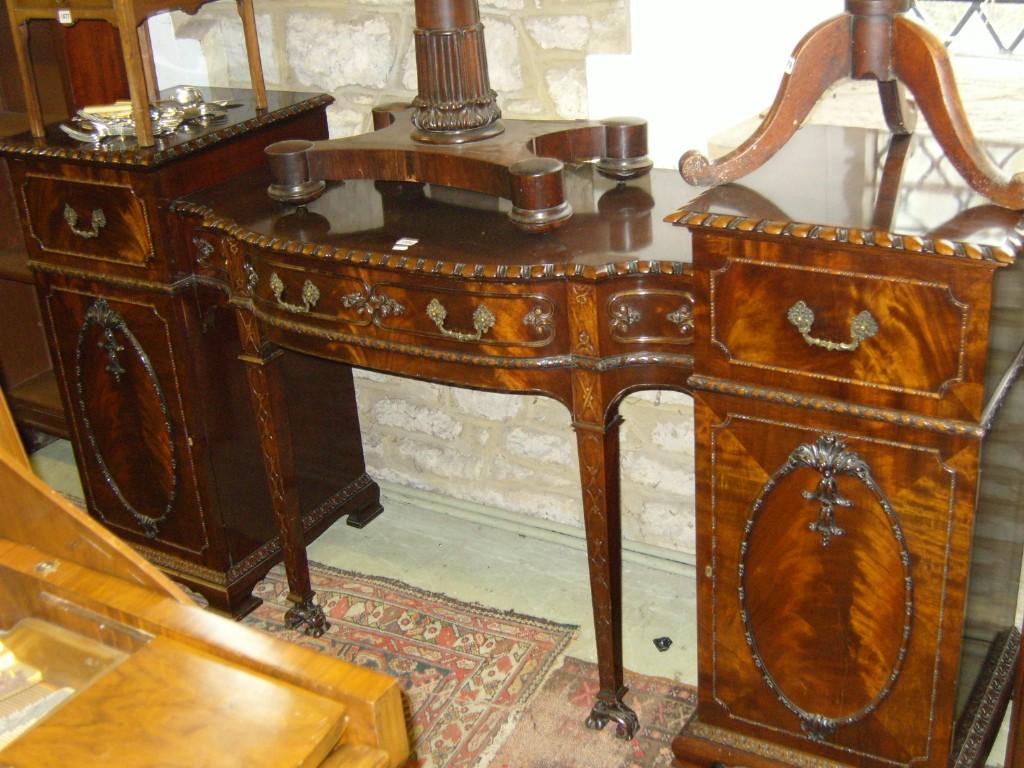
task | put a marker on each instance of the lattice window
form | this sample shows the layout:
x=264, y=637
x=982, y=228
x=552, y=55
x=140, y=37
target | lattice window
x=976, y=27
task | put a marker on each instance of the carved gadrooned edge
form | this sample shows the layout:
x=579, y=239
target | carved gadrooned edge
x=565, y=362
x=981, y=717
x=147, y=157
x=397, y=261
x=827, y=405
x=765, y=749
x=109, y=278
x=1000, y=254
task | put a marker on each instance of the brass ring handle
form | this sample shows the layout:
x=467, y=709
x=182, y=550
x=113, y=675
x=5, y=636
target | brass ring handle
x=99, y=221
x=310, y=296
x=483, y=321
x=862, y=328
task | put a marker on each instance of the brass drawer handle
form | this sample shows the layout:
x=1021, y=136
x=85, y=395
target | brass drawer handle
x=99, y=221
x=483, y=321
x=862, y=328
x=310, y=296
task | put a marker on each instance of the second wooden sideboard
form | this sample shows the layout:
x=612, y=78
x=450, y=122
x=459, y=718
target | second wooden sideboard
x=145, y=349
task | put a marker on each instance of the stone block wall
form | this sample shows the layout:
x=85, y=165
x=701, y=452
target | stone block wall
x=515, y=454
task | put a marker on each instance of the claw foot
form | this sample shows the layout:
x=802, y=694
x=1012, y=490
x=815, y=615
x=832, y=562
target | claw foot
x=307, y=615
x=625, y=719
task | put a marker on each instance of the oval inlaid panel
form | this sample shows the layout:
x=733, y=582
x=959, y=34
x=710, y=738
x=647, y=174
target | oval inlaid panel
x=125, y=417
x=826, y=590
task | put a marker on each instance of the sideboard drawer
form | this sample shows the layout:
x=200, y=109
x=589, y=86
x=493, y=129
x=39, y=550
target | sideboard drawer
x=92, y=220
x=431, y=312
x=807, y=322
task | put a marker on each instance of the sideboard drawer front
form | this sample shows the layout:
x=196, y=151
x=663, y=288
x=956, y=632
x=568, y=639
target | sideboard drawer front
x=655, y=316
x=92, y=220
x=805, y=326
x=374, y=307
x=483, y=317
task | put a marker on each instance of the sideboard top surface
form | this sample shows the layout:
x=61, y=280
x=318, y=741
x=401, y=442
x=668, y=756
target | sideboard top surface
x=863, y=187
x=240, y=119
x=616, y=228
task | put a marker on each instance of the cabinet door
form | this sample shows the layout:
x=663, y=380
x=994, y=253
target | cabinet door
x=834, y=561
x=122, y=363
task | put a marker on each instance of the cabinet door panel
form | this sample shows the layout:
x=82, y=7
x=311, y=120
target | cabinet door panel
x=836, y=559
x=117, y=359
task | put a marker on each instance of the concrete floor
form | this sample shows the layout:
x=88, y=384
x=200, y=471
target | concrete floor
x=497, y=568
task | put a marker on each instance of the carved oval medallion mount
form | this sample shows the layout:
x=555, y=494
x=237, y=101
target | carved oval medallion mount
x=113, y=394
x=824, y=575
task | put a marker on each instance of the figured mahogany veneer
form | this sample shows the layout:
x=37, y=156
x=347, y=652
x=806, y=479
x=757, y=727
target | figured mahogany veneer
x=438, y=284
x=146, y=349
x=600, y=307
x=154, y=679
x=856, y=422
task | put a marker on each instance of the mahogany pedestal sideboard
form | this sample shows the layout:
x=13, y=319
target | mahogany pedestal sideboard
x=838, y=467
x=146, y=350
x=438, y=284
x=860, y=499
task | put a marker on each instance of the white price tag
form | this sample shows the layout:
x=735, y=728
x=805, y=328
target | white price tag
x=64, y=17
x=404, y=244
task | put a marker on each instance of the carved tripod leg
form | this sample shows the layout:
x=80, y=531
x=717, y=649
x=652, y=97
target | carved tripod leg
x=265, y=387
x=920, y=61
x=598, y=446
x=821, y=58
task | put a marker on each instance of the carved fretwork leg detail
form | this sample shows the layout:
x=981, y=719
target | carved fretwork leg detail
x=266, y=390
x=598, y=447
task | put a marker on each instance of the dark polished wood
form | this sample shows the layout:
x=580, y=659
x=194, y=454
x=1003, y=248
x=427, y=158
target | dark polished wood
x=872, y=40
x=596, y=309
x=857, y=341
x=452, y=134
x=135, y=69
x=75, y=66
x=606, y=305
x=147, y=352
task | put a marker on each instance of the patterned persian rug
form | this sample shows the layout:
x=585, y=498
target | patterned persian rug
x=467, y=671
x=551, y=733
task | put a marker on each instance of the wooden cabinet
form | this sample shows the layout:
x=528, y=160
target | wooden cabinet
x=76, y=66
x=859, y=545
x=146, y=350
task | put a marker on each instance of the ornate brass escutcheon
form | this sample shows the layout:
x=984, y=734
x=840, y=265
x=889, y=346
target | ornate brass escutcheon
x=862, y=328
x=310, y=296
x=483, y=321
x=98, y=222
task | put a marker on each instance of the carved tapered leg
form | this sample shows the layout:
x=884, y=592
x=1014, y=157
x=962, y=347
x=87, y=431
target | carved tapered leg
x=819, y=60
x=266, y=390
x=597, y=441
x=598, y=447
